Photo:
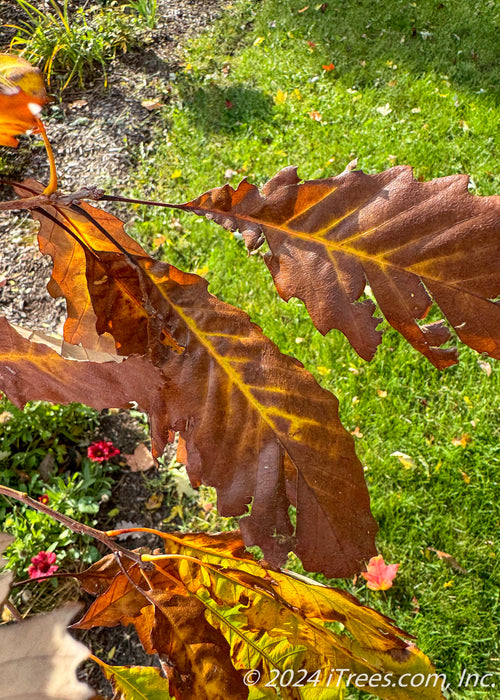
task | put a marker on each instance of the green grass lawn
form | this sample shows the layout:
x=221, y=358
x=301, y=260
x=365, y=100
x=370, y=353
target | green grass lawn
x=413, y=83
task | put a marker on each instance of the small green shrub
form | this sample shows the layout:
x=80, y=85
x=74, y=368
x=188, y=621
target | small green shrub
x=75, y=46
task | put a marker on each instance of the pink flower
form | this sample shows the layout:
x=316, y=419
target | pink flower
x=379, y=574
x=43, y=499
x=43, y=564
x=102, y=451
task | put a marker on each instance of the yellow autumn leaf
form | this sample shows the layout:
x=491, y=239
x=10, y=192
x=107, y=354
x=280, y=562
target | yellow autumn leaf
x=407, y=461
x=280, y=97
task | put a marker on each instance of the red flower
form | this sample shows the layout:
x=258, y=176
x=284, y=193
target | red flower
x=330, y=66
x=102, y=451
x=43, y=564
x=43, y=499
x=379, y=574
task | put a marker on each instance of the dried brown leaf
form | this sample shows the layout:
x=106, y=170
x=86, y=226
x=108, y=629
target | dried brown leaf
x=410, y=241
x=141, y=460
x=39, y=659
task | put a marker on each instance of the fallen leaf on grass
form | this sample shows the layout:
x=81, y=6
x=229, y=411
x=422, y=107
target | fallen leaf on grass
x=407, y=461
x=485, y=366
x=385, y=109
x=141, y=460
x=329, y=67
x=280, y=97
x=461, y=441
x=316, y=116
x=379, y=574
x=448, y=559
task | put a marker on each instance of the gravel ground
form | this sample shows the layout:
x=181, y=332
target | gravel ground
x=94, y=134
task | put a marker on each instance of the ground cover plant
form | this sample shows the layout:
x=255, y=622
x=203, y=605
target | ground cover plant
x=407, y=461
x=73, y=46
x=41, y=448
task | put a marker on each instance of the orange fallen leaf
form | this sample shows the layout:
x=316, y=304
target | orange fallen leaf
x=315, y=115
x=379, y=574
x=141, y=460
x=448, y=559
x=357, y=432
x=330, y=66
x=461, y=441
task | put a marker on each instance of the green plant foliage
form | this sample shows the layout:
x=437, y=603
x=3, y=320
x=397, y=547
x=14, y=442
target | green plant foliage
x=146, y=9
x=52, y=433
x=41, y=428
x=78, y=496
x=75, y=45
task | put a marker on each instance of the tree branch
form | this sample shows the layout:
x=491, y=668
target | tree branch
x=73, y=525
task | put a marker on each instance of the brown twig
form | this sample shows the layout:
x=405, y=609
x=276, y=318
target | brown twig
x=41, y=200
x=73, y=525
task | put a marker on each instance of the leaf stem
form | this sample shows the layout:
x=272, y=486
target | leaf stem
x=52, y=186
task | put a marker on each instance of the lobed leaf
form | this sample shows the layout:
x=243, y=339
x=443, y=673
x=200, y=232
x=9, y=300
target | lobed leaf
x=39, y=658
x=410, y=241
x=136, y=682
x=68, y=272
x=33, y=371
x=269, y=621
x=257, y=425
